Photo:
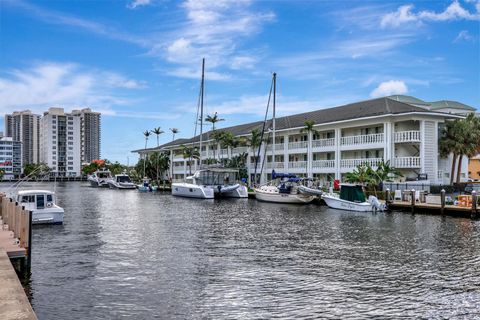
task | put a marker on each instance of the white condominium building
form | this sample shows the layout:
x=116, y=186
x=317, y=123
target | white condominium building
x=10, y=158
x=401, y=129
x=90, y=134
x=60, y=142
x=24, y=126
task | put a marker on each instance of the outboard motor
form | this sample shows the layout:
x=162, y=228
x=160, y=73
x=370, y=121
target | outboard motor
x=376, y=204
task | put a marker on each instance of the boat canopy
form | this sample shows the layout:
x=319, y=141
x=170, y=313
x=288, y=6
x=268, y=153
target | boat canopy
x=276, y=175
x=353, y=193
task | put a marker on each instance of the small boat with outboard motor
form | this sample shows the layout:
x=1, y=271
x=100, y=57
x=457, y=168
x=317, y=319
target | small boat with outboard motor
x=352, y=198
x=146, y=186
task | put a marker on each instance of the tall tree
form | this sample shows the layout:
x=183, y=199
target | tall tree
x=157, y=131
x=190, y=153
x=174, y=132
x=213, y=119
x=146, y=135
x=310, y=130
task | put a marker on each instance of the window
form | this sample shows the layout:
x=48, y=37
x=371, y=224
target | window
x=40, y=201
x=70, y=148
x=70, y=133
x=49, y=198
x=70, y=143
x=70, y=168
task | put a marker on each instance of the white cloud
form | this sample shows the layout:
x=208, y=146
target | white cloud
x=388, y=88
x=66, y=84
x=405, y=14
x=464, y=35
x=214, y=30
x=138, y=3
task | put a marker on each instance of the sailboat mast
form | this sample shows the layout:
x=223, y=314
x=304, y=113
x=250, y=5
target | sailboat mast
x=273, y=118
x=201, y=110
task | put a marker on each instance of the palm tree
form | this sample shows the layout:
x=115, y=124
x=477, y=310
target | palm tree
x=146, y=134
x=157, y=131
x=213, y=119
x=217, y=137
x=310, y=131
x=469, y=137
x=190, y=153
x=361, y=175
x=174, y=132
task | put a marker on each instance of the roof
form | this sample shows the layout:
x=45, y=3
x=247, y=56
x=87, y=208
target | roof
x=408, y=99
x=363, y=109
x=442, y=104
x=27, y=192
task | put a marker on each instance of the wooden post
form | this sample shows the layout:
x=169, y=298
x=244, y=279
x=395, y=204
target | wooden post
x=23, y=228
x=29, y=241
x=442, y=201
x=473, y=215
x=387, y=197
x=18, y=220
x=413, y=200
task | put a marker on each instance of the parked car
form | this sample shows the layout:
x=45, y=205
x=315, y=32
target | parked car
x=472, y=187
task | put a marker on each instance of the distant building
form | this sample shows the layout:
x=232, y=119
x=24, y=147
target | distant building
x=24, y=127
x=90, y=134
x=10, y=157
x=60, y=141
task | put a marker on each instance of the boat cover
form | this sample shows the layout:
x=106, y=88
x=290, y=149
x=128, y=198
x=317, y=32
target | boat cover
x=224, y=189
x=276, y=175
x=307, y=190
x=352, y=193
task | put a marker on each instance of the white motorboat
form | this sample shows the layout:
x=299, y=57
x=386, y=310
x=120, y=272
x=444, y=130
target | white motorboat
x=43, y=205
x=121, y=181
x=191, y=189
x=284, y=189
x=100, y=178
x=352, y=198
x=210, y=183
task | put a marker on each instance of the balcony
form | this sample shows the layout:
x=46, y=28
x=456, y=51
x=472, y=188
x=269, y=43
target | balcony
x=297, y=165
x=278, y=165
x=278, y=146
x=297, y=145
x=365, y=139
x=239, y=150
x=323, y=164
x=353, y=163
x=407, y=136
x=407, y=162
x=323, y=143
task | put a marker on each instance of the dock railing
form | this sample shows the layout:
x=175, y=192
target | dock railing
x=15, y=230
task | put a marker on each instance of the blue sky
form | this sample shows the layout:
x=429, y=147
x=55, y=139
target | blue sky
x=138, y=61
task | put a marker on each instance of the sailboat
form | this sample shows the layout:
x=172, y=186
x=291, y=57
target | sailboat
x=284, y=187
x=209, y=182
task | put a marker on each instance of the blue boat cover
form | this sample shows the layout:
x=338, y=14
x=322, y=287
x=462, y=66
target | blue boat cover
x=276, y=175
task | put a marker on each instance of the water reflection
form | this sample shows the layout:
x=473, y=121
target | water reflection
x=124, y=254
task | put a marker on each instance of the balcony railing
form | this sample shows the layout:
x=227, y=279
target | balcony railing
x=297, y=164
x=407, y=136
x=278, y=165
x=322, y=143
x=407, y=162
x=278, y=146
x=239, y=150
x=297, y=145
x=320, y=164
x=362, y=139
x=352, y=163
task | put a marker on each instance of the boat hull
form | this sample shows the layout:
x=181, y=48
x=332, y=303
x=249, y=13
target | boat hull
x=337, y=203
x=283, y=197
x=48, y=216
x=192, y=191
x=116, y=185
x=239, y=192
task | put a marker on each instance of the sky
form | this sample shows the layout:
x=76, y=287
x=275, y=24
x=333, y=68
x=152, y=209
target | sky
x=138, y=62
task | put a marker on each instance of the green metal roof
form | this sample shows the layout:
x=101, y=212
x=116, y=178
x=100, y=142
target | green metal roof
x=408, y=99
x=442, y=104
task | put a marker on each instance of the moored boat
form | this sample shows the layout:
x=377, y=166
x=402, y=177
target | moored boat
x=121, y=181
x=100, y=178
x=284, y=189
x=352, y=198
x=43, y=205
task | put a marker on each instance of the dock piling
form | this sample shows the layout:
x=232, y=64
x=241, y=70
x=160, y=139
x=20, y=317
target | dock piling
x=387, y=196
x=442, y=201
x=413, y=200
x=474, y=204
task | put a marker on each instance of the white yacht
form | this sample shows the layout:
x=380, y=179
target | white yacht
x=210, y=183
x=100, y=178
x=352, y=198
x=43, y=205
x=121, y=181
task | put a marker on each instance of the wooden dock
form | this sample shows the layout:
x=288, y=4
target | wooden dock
x=451, y=210
x=15, y=247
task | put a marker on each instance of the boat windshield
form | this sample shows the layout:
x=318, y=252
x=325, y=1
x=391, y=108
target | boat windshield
x=103, y=174
x=123, y=179
x=216, y=178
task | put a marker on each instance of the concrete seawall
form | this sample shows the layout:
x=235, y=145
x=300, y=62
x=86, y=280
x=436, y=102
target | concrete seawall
x=14, y=304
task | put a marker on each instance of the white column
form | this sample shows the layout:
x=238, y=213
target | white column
x=387, y=142
x=422, y=146
x=285, y=153
x=309, y=155
x=171, y=163
x=338, y=133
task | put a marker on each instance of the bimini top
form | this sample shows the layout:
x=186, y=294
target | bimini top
x=276, y=175
x=30, y=192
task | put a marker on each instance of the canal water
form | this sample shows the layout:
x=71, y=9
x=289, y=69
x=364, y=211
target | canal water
x=124, y=254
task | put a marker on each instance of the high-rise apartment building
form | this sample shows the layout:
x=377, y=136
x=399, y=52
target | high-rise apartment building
x=60, y=142
x=10, y=157
x=90, y=130
x=24, y=126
